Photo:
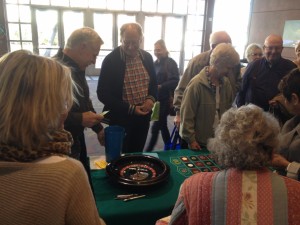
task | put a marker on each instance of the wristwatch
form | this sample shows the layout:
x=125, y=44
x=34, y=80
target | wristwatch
x=293, y=170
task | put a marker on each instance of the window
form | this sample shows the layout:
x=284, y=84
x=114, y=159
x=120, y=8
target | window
x=178, y=22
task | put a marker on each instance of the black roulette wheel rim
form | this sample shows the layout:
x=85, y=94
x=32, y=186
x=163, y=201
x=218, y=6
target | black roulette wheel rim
x=138, y=171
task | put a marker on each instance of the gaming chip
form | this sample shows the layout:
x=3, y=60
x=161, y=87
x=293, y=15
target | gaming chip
x=202, y=157
x=184, y=159
x=190, y=165
x=213, y=168
x=199, y=164
x=194, y=158
x=195, y=170
x=209, y=163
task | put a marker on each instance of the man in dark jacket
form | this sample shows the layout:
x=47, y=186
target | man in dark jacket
x=81, y=50
x=261, y=78
x=127, y=87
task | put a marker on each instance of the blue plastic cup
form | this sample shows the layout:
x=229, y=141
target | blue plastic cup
x=114, y=136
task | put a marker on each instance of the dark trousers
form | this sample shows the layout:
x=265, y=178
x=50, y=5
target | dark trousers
x=160, y=125
x=78, y=151
x=136, y=131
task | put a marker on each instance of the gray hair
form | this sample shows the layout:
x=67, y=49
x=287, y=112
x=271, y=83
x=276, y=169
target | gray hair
x=245, y=138
x=219, y=37
x=251, y=48
x=224, y=54
x=135, y=26
x=83, y=35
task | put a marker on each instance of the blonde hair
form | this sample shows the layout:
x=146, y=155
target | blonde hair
x=34, y=93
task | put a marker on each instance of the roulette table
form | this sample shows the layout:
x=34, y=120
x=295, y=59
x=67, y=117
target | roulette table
x=157, y=200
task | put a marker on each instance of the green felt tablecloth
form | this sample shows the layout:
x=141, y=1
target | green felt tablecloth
x=158, y=203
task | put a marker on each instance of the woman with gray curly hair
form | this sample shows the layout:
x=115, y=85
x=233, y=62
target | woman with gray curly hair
x=246, y=191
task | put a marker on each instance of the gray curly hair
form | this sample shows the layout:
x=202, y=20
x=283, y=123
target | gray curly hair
x=245, y=138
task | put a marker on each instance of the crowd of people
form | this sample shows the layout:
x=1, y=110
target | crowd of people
x=239, y=114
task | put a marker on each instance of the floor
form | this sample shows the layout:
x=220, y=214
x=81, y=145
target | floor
x=93, y=146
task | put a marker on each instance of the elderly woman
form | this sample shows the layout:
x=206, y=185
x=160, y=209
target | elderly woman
x=246, y=191
x=39, y=183
x=207, y=96
x=297, y=52
x=288, y=162
x=253, y=51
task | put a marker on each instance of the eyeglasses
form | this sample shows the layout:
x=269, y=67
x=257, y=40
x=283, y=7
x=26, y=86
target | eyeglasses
x=135, y=43
x=275, y=48
x=257, y=54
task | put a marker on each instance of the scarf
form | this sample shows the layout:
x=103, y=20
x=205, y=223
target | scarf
x=59, y=144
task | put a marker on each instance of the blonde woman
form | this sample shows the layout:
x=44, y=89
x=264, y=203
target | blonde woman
x=39, y=183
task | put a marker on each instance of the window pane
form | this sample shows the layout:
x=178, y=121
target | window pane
x=201, y=7
x=133, y=5
x=12, y=1
x=180, y=6
x=115, y=4
x=152, y=32
x=26, y=32
x=149, y=5
x=174, y=29
x=122, y=19
x=15, y=45
x=47, y=31
x=164, y=6
x=27, y=46
x=79, y=3
x=72, y=21
x=192, y=7
x=23, y=1
x=12, y=13
x=14, y=32
x=40, y=2
x=101, y=4
x=25, y=15
x=104, y=29
x=60, y=3
x=194, y=22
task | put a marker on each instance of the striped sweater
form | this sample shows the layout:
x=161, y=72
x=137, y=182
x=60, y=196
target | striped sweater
x=233, y=197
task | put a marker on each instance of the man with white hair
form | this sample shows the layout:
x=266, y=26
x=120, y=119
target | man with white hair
x=196, y=64
x=80, y=51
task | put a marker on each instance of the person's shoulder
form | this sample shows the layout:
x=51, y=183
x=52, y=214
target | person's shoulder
x=288, y=62
x=201, y=56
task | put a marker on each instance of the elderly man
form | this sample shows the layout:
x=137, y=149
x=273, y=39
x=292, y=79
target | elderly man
x=127, y=87
x=81, y=50
x=260, y=80
x=197, y=64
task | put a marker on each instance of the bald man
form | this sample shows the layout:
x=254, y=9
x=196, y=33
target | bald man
x=196, y=64
x=261, y=78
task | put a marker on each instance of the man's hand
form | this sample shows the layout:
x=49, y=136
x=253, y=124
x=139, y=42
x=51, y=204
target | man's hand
x=194, y=146
x=101, y=137
x=90, y=119
x=148, y=105
x=177, y=121
x=139, y=110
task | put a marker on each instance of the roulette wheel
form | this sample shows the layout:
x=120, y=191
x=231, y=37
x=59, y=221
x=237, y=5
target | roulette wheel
x=138, y=171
